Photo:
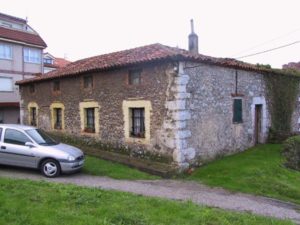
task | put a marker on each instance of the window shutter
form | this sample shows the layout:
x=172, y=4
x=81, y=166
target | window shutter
x=237, y=111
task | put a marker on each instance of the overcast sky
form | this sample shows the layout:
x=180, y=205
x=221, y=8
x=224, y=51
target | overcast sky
x=231, y=28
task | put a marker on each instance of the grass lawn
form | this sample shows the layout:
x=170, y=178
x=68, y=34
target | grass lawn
x=258, y=170
x=40, y=203
x=99, y=167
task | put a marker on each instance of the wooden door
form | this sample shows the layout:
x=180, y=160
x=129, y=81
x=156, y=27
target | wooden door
x=258, y=125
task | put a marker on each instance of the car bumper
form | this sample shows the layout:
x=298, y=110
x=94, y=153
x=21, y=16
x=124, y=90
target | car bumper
x=69, y=167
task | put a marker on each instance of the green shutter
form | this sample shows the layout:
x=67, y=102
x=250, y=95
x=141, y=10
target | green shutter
x=237, y=111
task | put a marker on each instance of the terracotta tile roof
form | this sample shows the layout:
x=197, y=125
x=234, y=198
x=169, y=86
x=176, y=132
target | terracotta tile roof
x=61, y=62
x=21, y=36
x=50, y=65
x=144, y=54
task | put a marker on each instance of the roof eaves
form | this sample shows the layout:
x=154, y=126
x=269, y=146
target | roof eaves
x=23, y=43
x=92, y=70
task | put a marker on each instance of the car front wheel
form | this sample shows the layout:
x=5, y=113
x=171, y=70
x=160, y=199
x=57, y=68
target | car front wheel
x=50, y=168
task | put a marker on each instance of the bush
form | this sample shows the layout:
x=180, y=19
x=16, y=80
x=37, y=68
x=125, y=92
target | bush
x=291, y=152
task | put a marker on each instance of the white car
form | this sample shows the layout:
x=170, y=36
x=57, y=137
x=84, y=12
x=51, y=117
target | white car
x=30, y=147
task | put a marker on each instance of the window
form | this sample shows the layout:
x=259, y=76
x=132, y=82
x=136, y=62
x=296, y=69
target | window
x=41, y=137
x=15, y=137
x=57, y=118
x=5, y=51
x=1, y=118
x=57, y=111
x=32, y=111
x=6, y=84
x=0, y=132
x=237, y=111
x=56, y=85
x=32, y=55
x=134, y=77
x=90, y=120
x=8, y=25
x=48, y=61
x=138, y=122
x=31, y=88
x=88, y=81
x=89, y=117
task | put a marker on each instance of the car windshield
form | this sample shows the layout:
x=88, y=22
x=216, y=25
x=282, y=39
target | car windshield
x=40, y=137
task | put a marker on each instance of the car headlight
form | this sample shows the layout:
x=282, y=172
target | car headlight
x=71, y=158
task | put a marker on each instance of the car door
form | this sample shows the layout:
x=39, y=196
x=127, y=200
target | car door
x=13, y=150
x=1, y=156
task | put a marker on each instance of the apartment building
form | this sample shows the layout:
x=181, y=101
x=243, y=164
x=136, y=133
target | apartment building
x=52, y=63
x=21, y=54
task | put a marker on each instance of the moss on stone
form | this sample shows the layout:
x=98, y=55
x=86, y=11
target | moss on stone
x=87, y=143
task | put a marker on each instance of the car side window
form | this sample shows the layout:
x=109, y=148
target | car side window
x=0, y=133
x=16, y=137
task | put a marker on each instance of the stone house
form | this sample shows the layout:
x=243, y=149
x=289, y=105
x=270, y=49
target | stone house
x=158, y=99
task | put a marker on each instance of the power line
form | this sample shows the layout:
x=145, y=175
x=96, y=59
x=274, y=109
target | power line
x=269, y=50
x=266, y=42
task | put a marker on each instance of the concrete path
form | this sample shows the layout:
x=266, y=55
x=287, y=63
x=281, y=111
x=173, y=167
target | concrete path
x=172, y=189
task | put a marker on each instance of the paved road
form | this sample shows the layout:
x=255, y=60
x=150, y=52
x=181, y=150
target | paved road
x=177, y=190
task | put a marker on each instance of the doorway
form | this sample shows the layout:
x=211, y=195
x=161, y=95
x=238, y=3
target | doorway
x=258, y=123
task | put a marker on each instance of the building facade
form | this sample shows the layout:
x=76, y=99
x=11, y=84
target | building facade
x=21, y=51
x=158, y=99
x=52, y=63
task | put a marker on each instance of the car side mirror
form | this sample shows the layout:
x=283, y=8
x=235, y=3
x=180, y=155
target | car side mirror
x=30, y=144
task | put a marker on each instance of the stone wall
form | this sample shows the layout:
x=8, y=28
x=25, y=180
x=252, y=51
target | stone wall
x=296, y=115
x=111, y=91
x=211, y=91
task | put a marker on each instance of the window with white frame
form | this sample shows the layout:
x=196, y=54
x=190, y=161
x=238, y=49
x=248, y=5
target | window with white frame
x=5, y=51
x=6, y=84
x=48, y=61
x=32, y=55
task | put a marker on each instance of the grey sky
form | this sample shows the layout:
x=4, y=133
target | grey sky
x=82, y=29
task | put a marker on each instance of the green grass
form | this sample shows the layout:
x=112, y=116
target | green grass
x=258, y=170
x=41, y=203
x=99, y=167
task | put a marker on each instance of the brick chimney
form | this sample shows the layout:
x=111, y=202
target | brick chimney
x=193, y=40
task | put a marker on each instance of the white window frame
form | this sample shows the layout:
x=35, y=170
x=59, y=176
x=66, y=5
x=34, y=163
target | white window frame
x=10, y=87
x=30, y=57
x=4, y=56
